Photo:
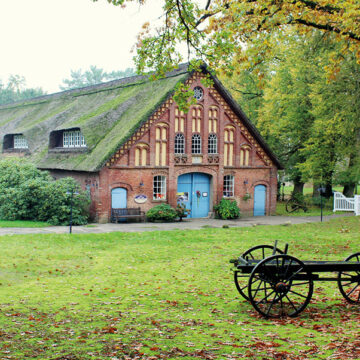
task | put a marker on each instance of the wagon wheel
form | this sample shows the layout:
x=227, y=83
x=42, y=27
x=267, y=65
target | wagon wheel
x=293, y=205
x=258, y=252
x=349, y=282
x=280, y=285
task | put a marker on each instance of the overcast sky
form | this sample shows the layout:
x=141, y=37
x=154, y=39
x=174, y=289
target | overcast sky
x=43, y=40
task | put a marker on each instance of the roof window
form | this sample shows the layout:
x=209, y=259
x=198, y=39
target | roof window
x=15, y=142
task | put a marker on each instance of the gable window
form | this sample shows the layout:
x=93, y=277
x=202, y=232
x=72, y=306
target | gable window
x=212, y=144
x=73, y=138
x=213, y=119
x=161, y=134
x=141, y=154
x=228, y=145
x=228, y=189
x=196, y=114
x=196, y=144
x=179, y=121
x=244, y=155
x=179, y=144
x=159, y=188
x=198, y=93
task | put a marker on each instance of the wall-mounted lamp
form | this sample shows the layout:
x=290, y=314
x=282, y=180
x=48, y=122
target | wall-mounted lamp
x=141, y=183
x=246, y=182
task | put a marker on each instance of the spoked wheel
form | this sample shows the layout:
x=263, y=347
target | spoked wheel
x=293, y=205
x=349, y=282
x=258, y=252
x=280, y=285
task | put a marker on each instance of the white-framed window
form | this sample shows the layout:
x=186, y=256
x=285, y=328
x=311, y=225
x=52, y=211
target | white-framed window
x=196, y=144
x=159, y=187
x=228, y=189
x=212, y=144
x=73, y=138
x=179, y=144
x=20, y=142
x=198, y=93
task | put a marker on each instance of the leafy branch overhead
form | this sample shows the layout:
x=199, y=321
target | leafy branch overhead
x=216, y=31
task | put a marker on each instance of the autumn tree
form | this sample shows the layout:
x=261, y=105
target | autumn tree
x=215, y=31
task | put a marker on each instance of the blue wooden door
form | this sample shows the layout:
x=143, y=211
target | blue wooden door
x=195, y=190
x=118, y=198
x=259, y=200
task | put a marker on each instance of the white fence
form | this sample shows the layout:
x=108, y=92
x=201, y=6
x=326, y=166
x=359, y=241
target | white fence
x=342, y=203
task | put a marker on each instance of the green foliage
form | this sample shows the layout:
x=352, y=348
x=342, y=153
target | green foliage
x=181, y=211
x=227, y=209
x=15, y=90
x=93, y=76
x=30, y=194
x=162, y=212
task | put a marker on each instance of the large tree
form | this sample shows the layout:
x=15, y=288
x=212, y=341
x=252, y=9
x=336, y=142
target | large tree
x=215, y=31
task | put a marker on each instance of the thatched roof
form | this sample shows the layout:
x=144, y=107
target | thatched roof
x=107, y=115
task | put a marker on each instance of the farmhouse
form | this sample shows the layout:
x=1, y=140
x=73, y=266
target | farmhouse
x=129, y=145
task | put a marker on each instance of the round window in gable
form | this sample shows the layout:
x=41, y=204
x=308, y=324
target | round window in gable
x=198, y=93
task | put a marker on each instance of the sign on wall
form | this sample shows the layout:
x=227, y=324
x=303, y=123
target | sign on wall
x=140, y=199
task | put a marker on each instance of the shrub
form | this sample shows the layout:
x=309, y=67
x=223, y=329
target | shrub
x=227, y=209
x=163, y=212
x=181, y=211
x=27, y=193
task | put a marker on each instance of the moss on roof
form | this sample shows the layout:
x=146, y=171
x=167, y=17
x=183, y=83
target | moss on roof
x=107, y=115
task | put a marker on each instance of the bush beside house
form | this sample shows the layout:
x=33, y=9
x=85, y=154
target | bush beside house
x=227, y=209
x=27, y=193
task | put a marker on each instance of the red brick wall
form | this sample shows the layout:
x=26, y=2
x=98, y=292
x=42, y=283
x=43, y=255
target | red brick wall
x=124, y=173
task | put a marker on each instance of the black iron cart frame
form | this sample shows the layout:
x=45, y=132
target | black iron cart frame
x=278, y=285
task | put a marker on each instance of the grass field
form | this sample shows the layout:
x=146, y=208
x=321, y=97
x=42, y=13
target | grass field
x=22, y=224
x=166, y=295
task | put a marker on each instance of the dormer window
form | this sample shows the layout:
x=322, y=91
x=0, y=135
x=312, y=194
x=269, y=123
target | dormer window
x=67, y=140
x=20, y=142
x=15, y=142
x=73, y=138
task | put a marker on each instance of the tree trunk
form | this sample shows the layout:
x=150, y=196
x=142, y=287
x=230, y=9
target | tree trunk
x=349, y=190
x=350, y=186
x=328, y=190
x=298, y=186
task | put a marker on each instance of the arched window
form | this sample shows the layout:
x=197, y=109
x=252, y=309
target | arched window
x=179, y=144
x=213, y=119
x=245, y=155
x=179, y=121
x=196, y=115
x=141, y=154
x=229, y=135
x=228, y=189
x=160, y=144
x=196, y=144
x=159, y=187
x=212, y=144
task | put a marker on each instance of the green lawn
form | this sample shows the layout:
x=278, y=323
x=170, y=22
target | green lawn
x=165, y=295
x=22, y=224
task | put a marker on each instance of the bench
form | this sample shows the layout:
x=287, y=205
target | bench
x=126, y=213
